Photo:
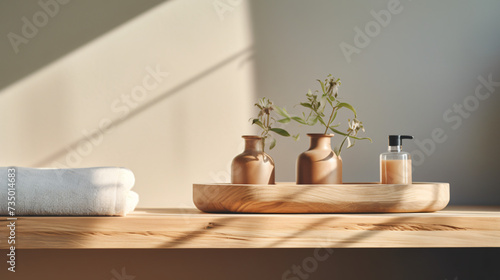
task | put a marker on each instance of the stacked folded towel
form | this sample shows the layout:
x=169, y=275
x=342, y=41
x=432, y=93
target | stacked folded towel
x=77, y=191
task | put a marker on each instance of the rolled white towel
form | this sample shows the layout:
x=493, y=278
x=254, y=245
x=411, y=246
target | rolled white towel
x=74, y=191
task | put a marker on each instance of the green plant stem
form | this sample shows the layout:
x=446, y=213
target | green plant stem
x=341, y=145
x=266, y=131
x=329, y=120
x=268, y=116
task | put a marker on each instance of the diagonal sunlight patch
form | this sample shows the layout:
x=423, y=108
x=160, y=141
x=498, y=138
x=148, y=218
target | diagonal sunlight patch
x=170, y=83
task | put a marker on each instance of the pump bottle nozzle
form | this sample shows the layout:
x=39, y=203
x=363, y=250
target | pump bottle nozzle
x=396, y=140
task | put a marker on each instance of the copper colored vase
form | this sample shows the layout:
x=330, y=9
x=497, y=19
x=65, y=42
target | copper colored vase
x=319, y=164
x=253, y=166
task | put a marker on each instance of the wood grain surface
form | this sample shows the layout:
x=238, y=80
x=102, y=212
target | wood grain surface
x=191, y=228
x=343, y=198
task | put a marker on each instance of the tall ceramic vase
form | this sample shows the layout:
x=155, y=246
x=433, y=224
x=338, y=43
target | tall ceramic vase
x=319, y=164
x=253, y=166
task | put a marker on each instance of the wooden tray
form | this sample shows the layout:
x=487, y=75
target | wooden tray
x=342, y=198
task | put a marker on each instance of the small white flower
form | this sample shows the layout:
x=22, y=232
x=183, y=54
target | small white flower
x=335, y=88
x=355, y=125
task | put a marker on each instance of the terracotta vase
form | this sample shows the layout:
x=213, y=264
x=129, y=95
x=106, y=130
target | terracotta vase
x=319, y=164
x=253, y=166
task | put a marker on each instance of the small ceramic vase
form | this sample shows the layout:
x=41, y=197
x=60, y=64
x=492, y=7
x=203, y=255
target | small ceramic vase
x=319, y=164
x=253, y=166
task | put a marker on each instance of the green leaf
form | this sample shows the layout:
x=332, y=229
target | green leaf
x=322, y=85
x=296, y=137
x=281, y=111
x=299, y=120
x=335, y=116
x=339, y=132
x=348, y=106
x=285, y=120
x=349, y=144
x=262, y=102
x=329, y=101
x=259, y=123
x=314, y=121
x=336, y=151
x=307, y=105
x=353, y=137
x=273, y=144
x=322, y=102
x=334, y=126
x=321, y=121
x=280, y=131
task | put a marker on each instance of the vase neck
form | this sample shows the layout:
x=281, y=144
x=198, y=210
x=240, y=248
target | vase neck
x=253, y=144
x=320, y=142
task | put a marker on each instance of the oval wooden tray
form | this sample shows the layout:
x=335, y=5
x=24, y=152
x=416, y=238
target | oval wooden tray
x=342, y=198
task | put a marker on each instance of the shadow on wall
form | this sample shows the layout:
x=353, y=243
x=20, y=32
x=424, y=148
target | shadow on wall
x=22, y=23
x=141, y=109
x=118, y=83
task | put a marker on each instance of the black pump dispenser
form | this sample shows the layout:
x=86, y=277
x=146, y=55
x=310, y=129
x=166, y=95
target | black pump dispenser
x=395, y=164
x=396, y=140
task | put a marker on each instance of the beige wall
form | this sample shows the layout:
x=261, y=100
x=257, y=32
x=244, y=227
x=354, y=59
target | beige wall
x=165, y=93
x=69, y=79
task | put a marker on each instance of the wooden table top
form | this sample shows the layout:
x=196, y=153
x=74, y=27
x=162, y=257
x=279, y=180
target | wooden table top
x=455, y=226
